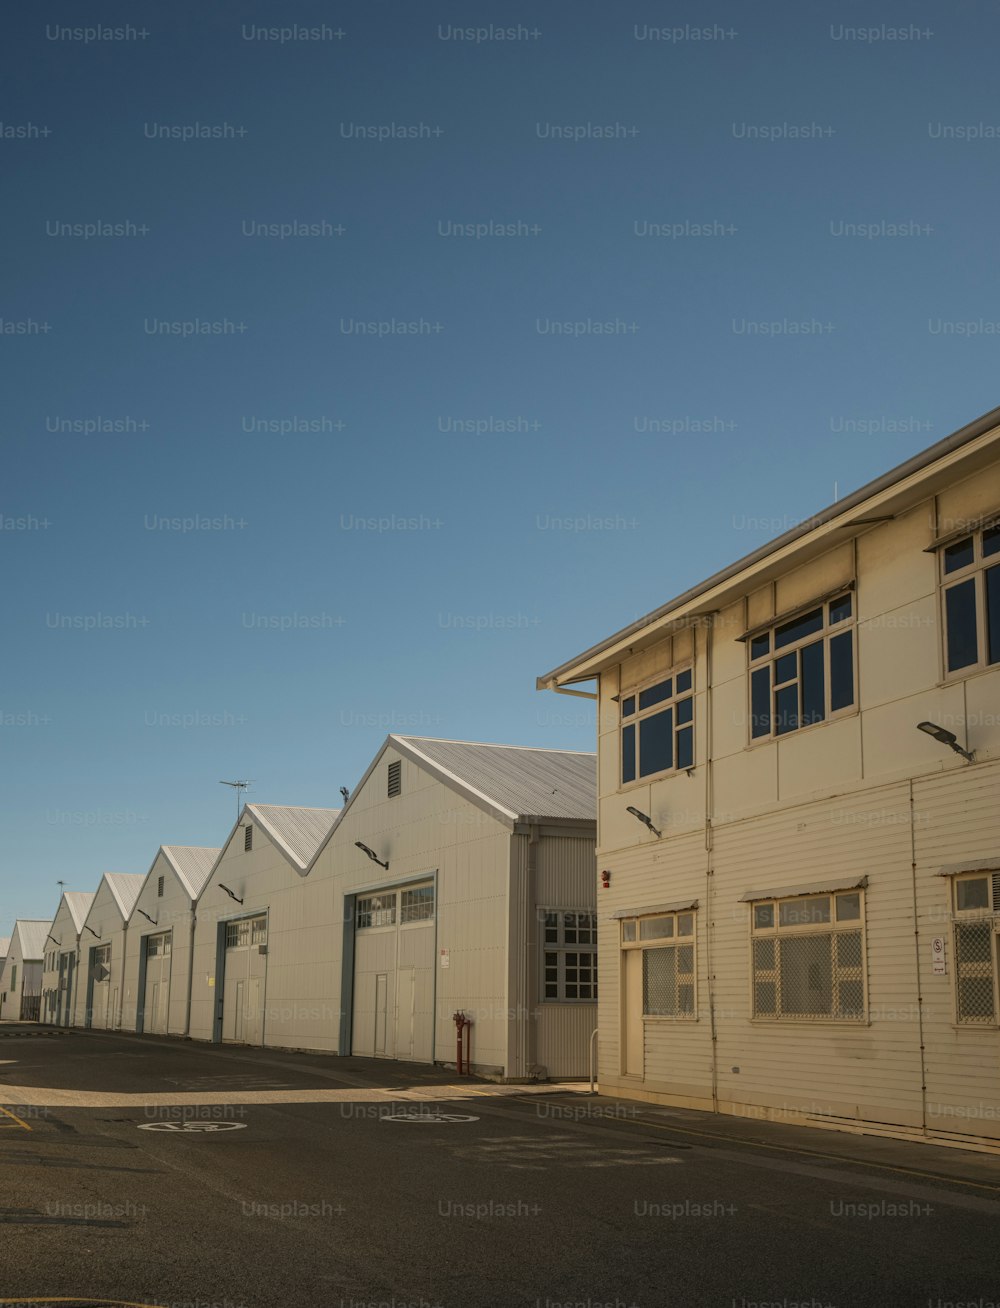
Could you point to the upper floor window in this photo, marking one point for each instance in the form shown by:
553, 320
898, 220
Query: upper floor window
970, 577
802, 670
417, 905
657, 727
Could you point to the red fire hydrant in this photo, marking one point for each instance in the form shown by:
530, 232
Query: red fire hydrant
463, 1027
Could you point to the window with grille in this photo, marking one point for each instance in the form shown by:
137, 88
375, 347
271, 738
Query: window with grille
395, 779
416, 905
970, 582
247, 931
657, 727
668, 975
976, 902
248, 837
158, 946
808, 958
376, 911
802, 671
569, 955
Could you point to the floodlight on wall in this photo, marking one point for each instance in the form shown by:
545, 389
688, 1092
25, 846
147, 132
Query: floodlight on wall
91, 930
945, 737
57, 943
371, 854
146, 916
644, 819
230, 893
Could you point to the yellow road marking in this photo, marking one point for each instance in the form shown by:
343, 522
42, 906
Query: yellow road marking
816, 1153
17, 1122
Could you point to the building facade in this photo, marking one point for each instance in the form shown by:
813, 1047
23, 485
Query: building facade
61, 962
799, 827
99, 994
21, 972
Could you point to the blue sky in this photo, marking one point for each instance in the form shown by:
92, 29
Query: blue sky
775, 246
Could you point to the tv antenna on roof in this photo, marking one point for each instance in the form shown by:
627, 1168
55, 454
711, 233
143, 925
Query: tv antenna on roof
238, 786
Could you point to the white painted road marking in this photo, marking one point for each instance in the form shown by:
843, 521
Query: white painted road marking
188, 1127
421, 1115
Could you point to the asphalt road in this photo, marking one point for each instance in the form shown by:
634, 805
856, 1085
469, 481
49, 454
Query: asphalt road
364, 1184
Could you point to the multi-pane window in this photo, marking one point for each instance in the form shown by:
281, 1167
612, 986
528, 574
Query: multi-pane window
569, 955
802, 671
657, 731
13, 977
376, 911
158, 946
667, 944
808, 959
970, 578
416, 905
976, 900
247, 931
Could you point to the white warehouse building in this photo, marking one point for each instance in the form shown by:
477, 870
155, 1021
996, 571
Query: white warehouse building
61, 963
98, 995
21, 971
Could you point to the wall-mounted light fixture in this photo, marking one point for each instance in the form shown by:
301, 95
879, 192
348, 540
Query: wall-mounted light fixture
230, 893
371, 854
944, 737
644, 819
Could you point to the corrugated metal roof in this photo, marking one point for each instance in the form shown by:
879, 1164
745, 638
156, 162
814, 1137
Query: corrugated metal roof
193, 865
4, 946
524, 782
78, 902
851, 881
299, 831
125, 887
32, 933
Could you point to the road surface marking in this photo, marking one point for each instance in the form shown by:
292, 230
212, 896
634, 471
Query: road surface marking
5, 1126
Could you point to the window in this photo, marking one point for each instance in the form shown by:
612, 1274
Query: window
417, 905
808, 958
802, 671
159, 887
657, 732
970, 579
376, 911
569, 955
667, 944
394, 779
158, 946
976, 900
247, 931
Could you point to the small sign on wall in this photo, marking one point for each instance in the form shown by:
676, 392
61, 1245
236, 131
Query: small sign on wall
939, 959
446, 958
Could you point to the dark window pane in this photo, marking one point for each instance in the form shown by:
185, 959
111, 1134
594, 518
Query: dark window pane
991, 541
656, 743
786, 709
959, 555
685, 711
765, 1002
655, 694
760, 702
683, 681
628, 753
785, 668
628, 706
840, 608
685, 747
841, 671
960, 620
991, 580
760, 645
813, 687
798, 627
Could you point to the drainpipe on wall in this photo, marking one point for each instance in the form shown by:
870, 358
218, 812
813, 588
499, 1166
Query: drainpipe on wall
709, 630
187, 1011
916, 949
528, 1041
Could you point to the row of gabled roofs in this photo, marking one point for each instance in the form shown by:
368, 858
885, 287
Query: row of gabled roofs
513, 783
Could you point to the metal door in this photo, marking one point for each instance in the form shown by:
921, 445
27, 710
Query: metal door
381, 1010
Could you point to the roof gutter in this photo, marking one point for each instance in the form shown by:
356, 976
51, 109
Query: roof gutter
972, 431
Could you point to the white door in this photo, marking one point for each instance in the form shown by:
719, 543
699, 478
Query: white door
158, 962
394, 975
381, 1011
244, 981
100, 999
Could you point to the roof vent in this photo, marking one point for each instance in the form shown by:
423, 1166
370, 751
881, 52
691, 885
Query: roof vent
159, 887
248, 837
395, 776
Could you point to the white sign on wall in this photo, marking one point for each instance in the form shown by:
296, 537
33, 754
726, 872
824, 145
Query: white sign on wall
446, 958
939, 960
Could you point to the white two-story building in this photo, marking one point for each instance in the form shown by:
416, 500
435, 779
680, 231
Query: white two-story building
799, 817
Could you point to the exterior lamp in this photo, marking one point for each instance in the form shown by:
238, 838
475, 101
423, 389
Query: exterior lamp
644, 819
230, 893
946, 738
371, 854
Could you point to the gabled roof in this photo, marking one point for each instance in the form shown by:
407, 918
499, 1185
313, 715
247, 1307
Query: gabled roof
125, 887
959, 454
32, 934
4, 946
298, 832
526, 783
78, 902
192, 863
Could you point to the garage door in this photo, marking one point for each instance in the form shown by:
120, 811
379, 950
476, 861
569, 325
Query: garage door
394, 974
157, 1002
101, 1011
243, 982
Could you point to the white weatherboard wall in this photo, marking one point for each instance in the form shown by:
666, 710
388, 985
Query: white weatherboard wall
158, 942
866, 795
295, 974
98, 996
61, 973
